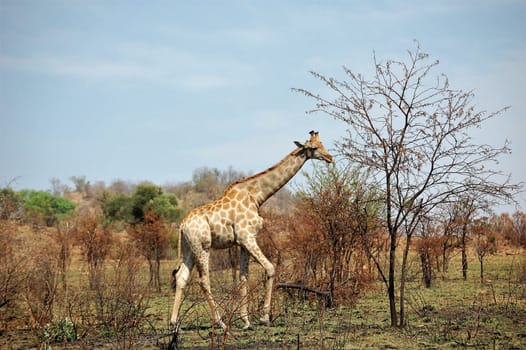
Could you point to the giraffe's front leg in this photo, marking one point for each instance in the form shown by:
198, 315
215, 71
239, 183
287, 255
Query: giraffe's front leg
265, 318
251, 246
203, 267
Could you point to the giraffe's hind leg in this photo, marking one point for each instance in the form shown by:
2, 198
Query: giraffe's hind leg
181, 279
243, 276
202, 264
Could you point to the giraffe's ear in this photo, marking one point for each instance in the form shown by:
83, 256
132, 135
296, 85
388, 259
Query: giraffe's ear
299, 144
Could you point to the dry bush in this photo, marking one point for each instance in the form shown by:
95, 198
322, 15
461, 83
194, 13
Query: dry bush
273, 236
14, 269
121, 301
115, 311
152, 239
9, 204
40, 290
521, 280
517, 231
334, 211
429, 249
64, 237
326, 263
30, 267
94, 240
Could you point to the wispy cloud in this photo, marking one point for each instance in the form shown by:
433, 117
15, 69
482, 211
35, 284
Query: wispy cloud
130, 64
186, 69
74, 67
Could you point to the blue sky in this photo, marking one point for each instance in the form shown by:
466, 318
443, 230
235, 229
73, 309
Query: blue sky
152, 90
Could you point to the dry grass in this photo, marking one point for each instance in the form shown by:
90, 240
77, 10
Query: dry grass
452, 314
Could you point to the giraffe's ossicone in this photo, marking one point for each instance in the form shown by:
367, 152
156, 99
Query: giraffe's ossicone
233, 219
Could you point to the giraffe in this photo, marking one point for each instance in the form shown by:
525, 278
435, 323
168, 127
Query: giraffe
233, 219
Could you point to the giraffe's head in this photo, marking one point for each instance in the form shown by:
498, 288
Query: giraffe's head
314, 149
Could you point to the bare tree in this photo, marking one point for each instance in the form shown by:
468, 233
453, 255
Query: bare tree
518, 236
447, 220
81, 185
58, 188
64, 240
95, 242
428, 248
412, 132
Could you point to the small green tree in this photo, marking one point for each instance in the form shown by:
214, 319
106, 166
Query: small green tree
115, 207
147, 212
143, 197
150, 209
43, 207
132, 209
165, 206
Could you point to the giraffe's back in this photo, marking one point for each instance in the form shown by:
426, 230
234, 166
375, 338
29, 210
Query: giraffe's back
218, 224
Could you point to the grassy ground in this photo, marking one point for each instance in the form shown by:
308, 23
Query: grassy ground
451, 314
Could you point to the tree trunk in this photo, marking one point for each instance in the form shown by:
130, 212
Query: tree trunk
445, 258
481, 259
154, 273
464, 254
335, 264
426, 268
157, 274
94, 276
64, 256
391, 281
402, 280
464, 264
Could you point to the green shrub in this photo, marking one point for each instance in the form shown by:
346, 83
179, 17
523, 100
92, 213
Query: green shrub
60, 330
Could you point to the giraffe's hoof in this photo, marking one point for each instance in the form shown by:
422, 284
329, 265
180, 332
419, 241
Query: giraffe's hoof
247, 326
265, 320
175, 326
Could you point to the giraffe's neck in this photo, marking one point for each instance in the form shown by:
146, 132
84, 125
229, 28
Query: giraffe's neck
265, 184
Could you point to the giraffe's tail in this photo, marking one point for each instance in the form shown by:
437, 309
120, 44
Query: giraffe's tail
179, 260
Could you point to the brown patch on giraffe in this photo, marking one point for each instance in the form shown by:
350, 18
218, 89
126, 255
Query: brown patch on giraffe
239, 196
226, 204
246, 202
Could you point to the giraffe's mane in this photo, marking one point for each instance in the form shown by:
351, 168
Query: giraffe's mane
252, 177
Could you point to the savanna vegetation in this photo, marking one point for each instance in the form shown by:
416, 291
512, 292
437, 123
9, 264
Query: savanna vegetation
87, 281
395, 246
